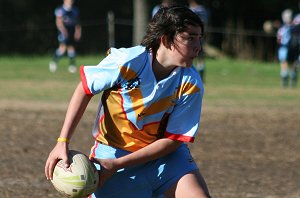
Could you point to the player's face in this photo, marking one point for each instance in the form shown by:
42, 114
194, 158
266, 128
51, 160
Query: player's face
187, 46
68, 3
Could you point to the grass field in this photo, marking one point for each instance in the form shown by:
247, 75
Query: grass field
229, 82
248, 144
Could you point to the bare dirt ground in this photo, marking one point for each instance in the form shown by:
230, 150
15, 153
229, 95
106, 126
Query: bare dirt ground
242, 153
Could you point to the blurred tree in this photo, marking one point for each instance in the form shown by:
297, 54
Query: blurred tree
139, 20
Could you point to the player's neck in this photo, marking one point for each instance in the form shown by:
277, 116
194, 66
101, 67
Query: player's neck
161, 69
67, 7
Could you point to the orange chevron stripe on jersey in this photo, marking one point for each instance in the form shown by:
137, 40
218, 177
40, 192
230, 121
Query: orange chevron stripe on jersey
187, 89
123, 132
127, 73
158, 106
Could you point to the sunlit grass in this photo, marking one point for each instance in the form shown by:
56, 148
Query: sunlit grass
228, 82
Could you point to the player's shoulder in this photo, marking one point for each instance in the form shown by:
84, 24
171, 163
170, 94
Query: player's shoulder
59, 11
134, 58
75, 9
191, 76
190, 82
191, 71
126, 55
130, 50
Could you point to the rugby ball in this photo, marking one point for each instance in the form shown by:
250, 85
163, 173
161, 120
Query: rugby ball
80, 179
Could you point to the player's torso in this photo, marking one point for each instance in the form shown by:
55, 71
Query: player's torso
70, 17
144, 100
284, 33
137, 110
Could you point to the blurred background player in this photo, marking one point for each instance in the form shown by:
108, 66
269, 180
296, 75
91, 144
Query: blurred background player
288, 49
296, 23
69, 32
201, 11
164, 3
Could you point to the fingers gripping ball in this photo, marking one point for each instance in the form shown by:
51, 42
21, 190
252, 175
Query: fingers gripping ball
79, 180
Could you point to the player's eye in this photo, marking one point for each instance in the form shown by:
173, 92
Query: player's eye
190, 38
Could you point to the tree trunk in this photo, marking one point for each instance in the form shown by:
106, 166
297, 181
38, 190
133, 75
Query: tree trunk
139, 20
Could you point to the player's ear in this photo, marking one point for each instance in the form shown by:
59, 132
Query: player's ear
164, 40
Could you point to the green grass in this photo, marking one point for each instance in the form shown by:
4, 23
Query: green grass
240, 83
229, 83
242, 73
28, 78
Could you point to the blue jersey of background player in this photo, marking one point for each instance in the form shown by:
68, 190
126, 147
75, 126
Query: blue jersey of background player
69, 32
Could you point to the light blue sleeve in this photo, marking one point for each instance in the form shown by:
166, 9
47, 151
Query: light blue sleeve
184, 121
104, 75
107, 73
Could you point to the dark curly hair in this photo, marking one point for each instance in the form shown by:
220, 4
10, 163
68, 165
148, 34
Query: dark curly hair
169, 21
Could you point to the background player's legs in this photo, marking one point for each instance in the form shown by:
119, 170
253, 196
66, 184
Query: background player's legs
72, 55
284, 74
59, 52
294, 73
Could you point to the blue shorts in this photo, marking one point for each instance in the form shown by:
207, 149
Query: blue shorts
67, 40
283, 54
147, 180
288, 54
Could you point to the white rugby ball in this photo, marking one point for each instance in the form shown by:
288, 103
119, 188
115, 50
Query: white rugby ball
79, 180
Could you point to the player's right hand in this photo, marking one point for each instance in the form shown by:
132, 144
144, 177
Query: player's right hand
60, 151
106, 171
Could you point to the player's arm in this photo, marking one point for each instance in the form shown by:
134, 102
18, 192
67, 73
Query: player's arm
77, 34
76, 108
153, 151
60, 25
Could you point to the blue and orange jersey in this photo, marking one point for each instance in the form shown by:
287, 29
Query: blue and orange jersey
136, 109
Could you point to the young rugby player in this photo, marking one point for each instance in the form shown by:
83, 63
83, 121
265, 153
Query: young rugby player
150, 109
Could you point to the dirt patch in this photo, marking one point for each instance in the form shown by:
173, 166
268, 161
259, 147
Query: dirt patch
241, 152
